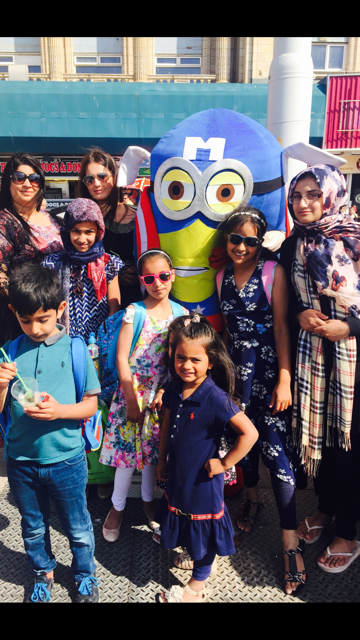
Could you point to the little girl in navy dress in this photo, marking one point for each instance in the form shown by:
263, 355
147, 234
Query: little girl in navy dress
199, 402
258, 342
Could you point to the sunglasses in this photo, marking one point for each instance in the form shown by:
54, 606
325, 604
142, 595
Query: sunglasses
150, 278
103, 177
18, 177
249, 241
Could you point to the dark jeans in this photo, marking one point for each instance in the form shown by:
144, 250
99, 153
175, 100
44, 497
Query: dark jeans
64, 482
284, 492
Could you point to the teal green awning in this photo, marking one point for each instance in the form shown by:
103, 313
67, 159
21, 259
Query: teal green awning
69, 117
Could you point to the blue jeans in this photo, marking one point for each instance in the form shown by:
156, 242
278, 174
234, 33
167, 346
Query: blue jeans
32, 485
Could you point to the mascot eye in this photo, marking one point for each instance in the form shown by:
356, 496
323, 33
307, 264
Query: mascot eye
177, 190
225, 191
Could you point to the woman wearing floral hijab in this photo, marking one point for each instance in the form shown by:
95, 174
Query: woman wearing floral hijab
88, 274
322, 260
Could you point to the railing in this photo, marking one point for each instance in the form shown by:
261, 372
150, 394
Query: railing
99, 77
185, 78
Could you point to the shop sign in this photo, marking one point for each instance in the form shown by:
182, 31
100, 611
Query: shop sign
54, 167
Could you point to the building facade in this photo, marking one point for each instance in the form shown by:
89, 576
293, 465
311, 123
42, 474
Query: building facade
145, 85
162, 59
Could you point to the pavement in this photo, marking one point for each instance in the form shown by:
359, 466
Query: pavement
135, 569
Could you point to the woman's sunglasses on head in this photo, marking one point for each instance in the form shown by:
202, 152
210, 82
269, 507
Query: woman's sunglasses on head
19, 177
150, 278
103, 177
249, 241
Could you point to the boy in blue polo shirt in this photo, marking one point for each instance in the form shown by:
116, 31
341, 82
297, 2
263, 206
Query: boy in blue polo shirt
45, 454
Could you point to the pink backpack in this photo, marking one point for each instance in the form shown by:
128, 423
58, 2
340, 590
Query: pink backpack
267, 278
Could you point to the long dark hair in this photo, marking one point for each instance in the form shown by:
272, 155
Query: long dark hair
223, 370
246, 213
108, 208
6, 201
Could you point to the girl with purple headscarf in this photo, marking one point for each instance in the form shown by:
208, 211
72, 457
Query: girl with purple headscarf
88, 274
322, 260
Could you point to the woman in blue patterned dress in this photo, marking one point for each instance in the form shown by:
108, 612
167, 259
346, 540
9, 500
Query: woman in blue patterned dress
88, 275
258, 342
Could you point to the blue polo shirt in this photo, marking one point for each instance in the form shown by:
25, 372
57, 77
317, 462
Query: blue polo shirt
50, 363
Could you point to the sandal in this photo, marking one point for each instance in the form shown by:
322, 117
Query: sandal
175, 594
293, 575
245, 517
157, 535
184, 561
321, 529
352, 556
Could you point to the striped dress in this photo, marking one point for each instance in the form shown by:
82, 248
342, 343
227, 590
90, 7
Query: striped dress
86, 312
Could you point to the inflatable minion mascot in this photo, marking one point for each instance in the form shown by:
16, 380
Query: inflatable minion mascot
201, 171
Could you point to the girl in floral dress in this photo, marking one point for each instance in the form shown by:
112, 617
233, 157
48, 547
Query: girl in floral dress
258, 342
132, 436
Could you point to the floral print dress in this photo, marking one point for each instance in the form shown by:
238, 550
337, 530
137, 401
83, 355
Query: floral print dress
251, 346
125, 444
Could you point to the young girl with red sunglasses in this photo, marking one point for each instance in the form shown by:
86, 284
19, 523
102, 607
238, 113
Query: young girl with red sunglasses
132, 434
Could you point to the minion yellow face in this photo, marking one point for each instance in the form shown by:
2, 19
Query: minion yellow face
191, 248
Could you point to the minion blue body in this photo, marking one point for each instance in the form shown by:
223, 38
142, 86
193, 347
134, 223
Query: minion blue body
201, 171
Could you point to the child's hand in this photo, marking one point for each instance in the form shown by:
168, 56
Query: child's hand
7, 373
281, 397
133, 413
48, 409
161, 470
214, 467
157, 402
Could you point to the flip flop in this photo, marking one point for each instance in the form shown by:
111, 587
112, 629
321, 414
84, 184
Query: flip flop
352, 556
321, 529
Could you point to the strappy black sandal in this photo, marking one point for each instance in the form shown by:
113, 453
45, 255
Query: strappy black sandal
293, 575
245, 517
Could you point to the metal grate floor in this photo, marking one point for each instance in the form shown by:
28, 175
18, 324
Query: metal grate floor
135, 569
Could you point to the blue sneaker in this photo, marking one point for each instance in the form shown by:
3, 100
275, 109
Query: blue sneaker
42, 588
87, 590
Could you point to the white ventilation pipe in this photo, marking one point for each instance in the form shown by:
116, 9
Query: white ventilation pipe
290, 95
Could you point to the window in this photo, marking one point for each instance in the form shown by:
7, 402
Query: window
34, 68
329, 54
178, 65
98, 64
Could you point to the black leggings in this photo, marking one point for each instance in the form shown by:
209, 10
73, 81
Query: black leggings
284, 492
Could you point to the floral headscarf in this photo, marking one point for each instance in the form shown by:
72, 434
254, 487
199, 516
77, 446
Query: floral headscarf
331, 244
327, 254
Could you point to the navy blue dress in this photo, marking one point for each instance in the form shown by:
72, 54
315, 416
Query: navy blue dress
195, 428
251, 346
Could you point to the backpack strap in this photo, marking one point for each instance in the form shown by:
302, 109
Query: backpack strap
139, 319
79, 363
177, 309
268, 273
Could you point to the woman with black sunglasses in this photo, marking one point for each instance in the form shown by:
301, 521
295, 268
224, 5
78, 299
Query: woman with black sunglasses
27, 232
253, 300
97, 181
